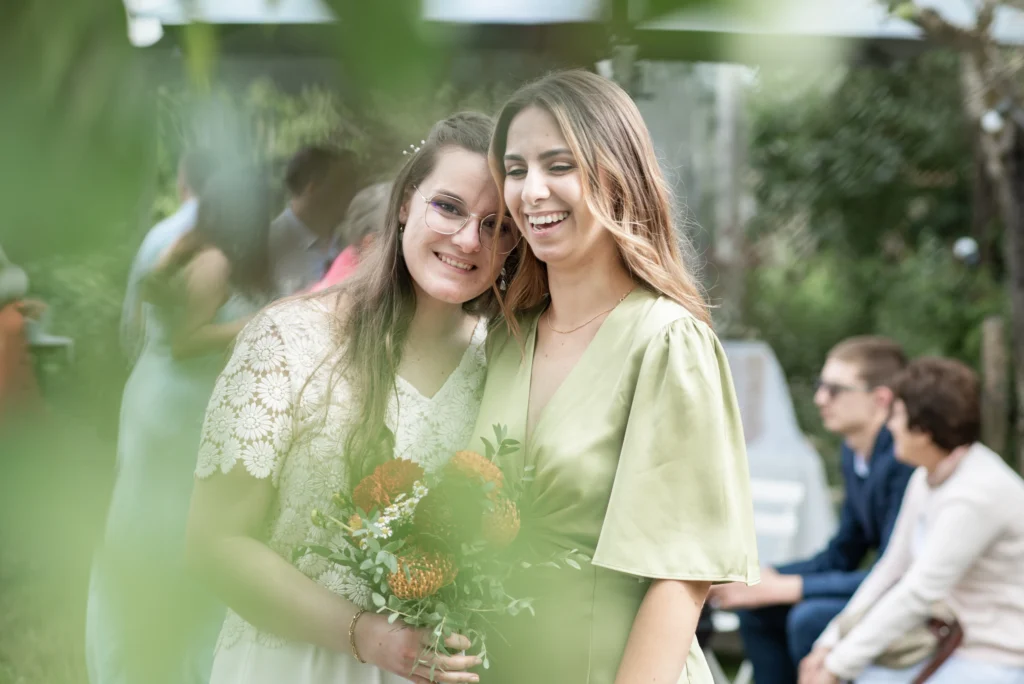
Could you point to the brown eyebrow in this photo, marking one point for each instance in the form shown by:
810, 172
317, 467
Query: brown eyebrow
544, 155
448, 193
555, 153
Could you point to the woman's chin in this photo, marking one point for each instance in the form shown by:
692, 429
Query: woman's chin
451, 293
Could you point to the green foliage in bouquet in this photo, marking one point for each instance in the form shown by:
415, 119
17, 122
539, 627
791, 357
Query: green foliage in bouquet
436, 549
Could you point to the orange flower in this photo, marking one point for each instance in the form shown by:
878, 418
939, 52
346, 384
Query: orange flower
501, 526
385, 483
422, 574
473, 466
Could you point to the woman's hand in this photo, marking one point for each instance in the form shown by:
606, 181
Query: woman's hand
404, 651
813, 665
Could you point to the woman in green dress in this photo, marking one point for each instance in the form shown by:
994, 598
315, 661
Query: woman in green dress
609, 375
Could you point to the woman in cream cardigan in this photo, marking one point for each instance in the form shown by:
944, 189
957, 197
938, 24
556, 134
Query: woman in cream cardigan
959, 540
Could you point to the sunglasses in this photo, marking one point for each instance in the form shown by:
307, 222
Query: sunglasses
834, 389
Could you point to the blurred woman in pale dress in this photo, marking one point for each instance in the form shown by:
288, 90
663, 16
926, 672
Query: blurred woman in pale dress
147, 620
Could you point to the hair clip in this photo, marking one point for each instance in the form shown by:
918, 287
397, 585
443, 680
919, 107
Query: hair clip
415, 148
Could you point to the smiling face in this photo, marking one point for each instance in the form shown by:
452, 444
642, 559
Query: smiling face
450, 268
544, 193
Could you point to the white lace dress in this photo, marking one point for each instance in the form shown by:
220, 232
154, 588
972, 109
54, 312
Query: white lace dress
275, 413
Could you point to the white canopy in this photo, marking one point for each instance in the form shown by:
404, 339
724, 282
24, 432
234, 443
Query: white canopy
867, 19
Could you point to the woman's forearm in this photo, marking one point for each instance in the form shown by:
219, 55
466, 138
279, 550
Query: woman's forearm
274, 595
662, 632
207, 339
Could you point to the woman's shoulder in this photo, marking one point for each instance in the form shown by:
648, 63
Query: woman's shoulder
657, 318
984, 477
304, 324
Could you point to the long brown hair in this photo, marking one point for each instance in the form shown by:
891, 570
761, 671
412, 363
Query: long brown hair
236, 207
377, 305
623, 186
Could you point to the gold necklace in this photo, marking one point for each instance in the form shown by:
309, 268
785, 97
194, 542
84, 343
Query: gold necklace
588, 321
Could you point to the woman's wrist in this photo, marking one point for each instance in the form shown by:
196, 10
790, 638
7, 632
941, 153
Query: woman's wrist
352, 635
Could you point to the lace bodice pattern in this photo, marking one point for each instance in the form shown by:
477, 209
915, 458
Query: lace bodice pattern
277, 411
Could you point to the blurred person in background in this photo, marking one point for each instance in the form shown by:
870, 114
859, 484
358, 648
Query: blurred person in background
958, 543
18, 389
194, 169
781, 617
304, 239
363, 220
147, 621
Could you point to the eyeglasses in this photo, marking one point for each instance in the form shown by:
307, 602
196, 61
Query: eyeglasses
448, 215
834, 389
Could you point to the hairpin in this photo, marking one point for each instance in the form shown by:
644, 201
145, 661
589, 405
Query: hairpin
415, 148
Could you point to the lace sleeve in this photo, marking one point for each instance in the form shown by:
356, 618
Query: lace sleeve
249, 417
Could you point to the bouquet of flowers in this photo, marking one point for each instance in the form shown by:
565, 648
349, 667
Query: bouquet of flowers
434, 547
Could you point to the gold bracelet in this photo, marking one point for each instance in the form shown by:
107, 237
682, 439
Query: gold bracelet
352, 635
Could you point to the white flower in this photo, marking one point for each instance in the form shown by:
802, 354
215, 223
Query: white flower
307, 356
241, 388
209, 458
311, 564
231, 451
274, 390
266, 354
317, 535
333, 580
259, 459
219, 423
326, 478
356, 590
240, 354
291, 527
282, 433
253, 423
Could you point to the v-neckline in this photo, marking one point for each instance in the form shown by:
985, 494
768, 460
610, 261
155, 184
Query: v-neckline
474, 343
531, 351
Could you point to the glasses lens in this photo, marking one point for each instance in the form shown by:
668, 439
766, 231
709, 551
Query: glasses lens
445, 214
506, 234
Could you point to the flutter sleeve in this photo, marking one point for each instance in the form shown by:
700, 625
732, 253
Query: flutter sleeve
680, 507
250, 415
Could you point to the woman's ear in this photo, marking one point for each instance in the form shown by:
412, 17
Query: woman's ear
403, 211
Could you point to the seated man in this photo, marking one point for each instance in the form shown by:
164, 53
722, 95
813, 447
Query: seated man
781, 617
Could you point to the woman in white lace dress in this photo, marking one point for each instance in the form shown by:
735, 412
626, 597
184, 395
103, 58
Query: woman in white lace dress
321, 388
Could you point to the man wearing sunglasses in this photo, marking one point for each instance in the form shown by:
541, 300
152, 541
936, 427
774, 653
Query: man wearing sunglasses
781, 617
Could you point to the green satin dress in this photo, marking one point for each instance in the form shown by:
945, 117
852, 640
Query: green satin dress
639, 463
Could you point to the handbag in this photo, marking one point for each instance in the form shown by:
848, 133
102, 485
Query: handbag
936, 638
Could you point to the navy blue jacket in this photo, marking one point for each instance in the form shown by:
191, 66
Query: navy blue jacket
870, 507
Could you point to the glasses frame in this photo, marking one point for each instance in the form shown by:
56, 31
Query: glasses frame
480, 220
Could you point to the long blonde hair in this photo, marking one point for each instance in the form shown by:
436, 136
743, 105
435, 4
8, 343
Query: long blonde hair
623, 186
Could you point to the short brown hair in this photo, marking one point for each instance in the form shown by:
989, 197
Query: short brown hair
879, 359
943, 398
312, 163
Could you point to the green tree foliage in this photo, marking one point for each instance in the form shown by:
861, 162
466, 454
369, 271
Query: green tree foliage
867, 155
863, 183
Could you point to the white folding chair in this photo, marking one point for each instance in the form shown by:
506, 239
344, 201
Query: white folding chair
776, 523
